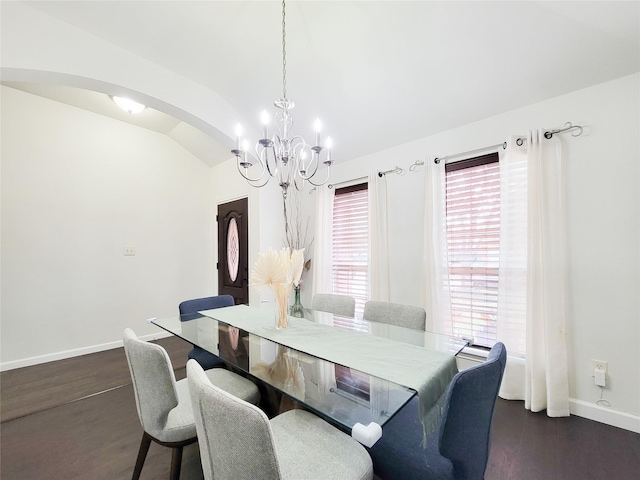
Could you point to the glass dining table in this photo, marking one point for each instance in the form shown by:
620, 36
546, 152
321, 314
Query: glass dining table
352, 378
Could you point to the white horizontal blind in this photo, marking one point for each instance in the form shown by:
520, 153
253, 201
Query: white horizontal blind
350, 277
473, 245
353, 383
350, 249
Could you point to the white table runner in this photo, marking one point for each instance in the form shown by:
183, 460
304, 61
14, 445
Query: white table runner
426, 371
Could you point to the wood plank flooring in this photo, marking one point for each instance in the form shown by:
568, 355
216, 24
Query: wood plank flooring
31, 389
76, 419
532, 446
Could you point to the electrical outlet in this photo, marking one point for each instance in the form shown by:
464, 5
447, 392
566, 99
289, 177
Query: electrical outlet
129, 251
600, 366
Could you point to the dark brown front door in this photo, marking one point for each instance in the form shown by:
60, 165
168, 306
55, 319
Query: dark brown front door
233, 250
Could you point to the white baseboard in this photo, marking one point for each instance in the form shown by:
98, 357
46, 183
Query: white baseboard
52, 357
615, 418
579, 408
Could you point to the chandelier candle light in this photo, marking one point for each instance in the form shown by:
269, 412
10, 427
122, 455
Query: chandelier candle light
279, 270
290, 160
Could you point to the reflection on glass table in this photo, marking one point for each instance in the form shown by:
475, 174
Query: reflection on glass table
435, 341
342, 394
313, 382
302, 377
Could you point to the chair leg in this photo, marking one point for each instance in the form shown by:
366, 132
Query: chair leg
176, 462
142, 455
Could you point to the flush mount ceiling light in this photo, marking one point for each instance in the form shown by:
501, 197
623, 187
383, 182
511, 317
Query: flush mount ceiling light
128, 105
291, 161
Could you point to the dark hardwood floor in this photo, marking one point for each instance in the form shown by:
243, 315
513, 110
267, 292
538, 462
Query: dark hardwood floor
76, 419
532, 446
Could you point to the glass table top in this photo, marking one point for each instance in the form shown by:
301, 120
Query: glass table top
336, 392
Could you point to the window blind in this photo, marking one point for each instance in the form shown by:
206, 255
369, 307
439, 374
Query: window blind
354, 383
473, 245
350, 260
350, 247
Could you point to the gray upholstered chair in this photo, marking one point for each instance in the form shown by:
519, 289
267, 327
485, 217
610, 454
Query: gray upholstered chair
163, 404
459, 450
337, 304
189, 308
395, 314
238, 442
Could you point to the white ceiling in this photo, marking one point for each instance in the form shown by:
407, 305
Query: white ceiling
378, 73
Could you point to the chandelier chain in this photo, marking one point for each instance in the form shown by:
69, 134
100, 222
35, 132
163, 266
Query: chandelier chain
292, 161
284, 53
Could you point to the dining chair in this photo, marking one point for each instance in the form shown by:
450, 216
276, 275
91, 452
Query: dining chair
163, 404
459, 450
337, 304
207, 359
238, 442
395, 314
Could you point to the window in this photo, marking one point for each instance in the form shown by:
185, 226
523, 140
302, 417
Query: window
350, 245
473, 246
350, 274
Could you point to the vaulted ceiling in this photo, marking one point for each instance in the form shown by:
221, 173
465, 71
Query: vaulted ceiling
378, 73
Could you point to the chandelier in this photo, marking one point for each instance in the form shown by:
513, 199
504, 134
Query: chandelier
291, 161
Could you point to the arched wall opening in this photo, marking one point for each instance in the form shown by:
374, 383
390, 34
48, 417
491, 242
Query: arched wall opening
110, 89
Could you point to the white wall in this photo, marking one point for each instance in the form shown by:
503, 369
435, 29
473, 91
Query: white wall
603, 184
76, 189
58, 249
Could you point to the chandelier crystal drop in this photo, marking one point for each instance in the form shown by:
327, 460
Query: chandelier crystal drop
291, 161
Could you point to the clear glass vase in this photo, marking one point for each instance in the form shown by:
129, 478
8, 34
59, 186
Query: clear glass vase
297, 310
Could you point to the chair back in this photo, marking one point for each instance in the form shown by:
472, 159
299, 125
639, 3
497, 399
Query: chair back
235, 437
337, 304
406, 316
154, 382
465, 430
206, 303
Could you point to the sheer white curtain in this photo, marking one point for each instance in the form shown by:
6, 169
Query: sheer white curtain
547, 385
512, 276
378, 261
322, 262
322, 271
532, 276
531, 308
434, 264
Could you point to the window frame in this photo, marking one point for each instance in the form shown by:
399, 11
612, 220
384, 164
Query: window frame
473, 289
352, 384
361, 295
